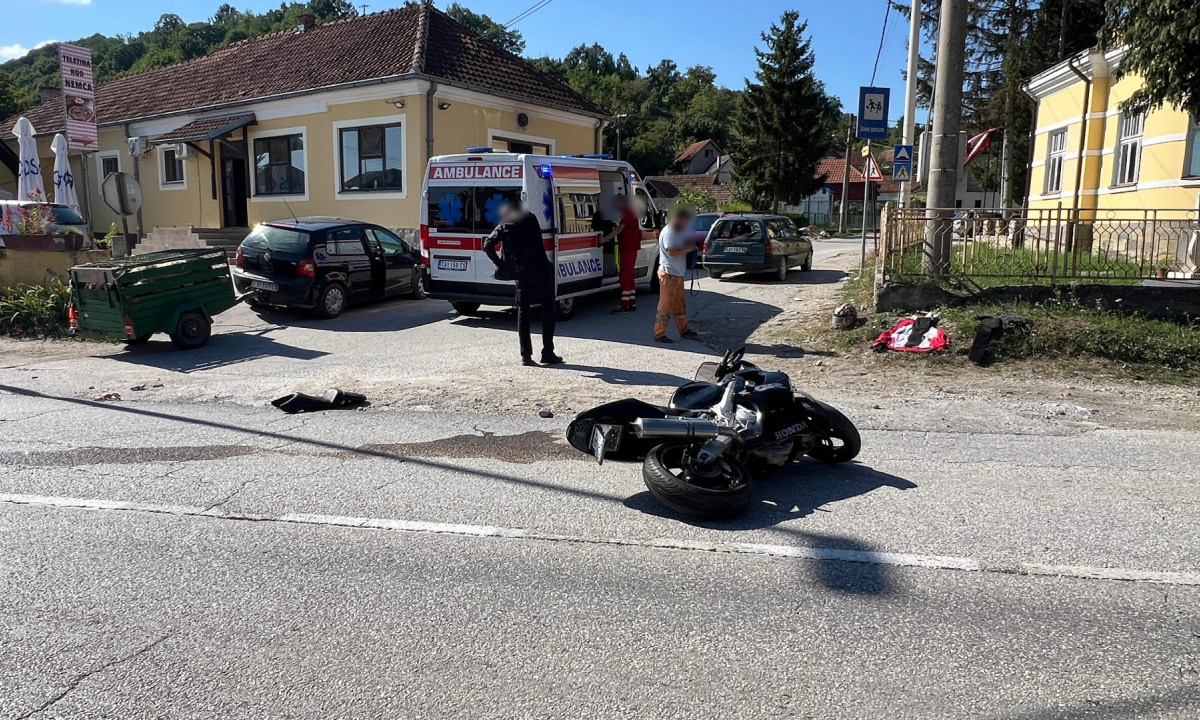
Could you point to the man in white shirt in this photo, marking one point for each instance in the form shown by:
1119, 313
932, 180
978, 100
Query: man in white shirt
673, 247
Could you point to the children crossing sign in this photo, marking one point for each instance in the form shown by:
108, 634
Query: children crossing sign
873, 111
902, 157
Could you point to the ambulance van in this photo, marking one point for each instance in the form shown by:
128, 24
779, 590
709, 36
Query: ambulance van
572, 197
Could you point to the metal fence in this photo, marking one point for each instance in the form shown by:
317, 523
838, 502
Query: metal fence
1041, 246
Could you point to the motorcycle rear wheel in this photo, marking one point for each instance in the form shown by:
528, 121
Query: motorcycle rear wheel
842, 442
672, 484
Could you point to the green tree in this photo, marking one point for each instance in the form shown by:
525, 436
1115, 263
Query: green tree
9, 104
1163, 39
510, 40
786, 120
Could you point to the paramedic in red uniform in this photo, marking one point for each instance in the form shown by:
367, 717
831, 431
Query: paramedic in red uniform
629, 243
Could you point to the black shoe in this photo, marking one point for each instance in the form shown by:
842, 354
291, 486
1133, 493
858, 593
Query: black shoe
528, 362
689, 334
551, 359
663, 339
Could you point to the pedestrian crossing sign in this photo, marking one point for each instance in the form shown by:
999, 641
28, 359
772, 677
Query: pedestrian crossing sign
901, 173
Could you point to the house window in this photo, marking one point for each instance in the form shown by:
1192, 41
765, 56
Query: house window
1192, 156
109, 165
172, 167
279, 165
1055, 151
1129, 147
372, 158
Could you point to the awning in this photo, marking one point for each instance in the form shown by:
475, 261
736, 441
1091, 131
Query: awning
205, 129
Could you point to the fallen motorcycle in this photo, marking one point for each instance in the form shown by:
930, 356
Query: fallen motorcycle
700, 451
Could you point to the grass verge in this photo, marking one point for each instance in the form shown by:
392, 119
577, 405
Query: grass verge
1063, 331
35, 311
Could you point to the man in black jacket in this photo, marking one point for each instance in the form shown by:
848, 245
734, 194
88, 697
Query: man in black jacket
519, 236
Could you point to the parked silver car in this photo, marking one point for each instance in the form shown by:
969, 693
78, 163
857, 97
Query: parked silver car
64, 221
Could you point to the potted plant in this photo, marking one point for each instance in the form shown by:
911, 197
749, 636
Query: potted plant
1163, 268
32, 225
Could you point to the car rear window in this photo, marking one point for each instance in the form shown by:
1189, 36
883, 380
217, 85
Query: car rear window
66, 216
277, 238
729, 229
703, 222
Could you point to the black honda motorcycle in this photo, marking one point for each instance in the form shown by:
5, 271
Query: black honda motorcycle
700, 451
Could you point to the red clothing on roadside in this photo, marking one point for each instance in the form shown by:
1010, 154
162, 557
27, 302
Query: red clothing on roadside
629, 242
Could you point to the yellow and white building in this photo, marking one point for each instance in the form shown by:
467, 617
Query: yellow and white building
332, 119
1090, 149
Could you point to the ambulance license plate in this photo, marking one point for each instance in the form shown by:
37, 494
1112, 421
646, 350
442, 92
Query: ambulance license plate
452, 264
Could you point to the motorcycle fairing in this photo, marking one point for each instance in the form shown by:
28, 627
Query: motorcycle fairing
696, 396
628, 447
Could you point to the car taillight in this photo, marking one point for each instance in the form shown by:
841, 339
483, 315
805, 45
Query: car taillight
239, 258
424, 244
306, 268
128, 325
72, 318
767, 248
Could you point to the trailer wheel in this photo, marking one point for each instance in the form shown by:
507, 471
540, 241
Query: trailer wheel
192, 331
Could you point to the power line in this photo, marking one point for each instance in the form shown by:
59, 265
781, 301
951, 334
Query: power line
887, 10
529, 11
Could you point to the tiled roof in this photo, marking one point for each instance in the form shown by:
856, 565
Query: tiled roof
207, 128
415, 39
835, 171
721, 192
690, 151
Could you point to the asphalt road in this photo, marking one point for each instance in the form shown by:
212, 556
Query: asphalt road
179, 559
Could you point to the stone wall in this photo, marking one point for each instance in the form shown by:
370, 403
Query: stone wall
35, 267
1163, 299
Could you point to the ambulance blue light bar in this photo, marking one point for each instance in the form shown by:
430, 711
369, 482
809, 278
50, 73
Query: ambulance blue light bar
545, 171
474, 150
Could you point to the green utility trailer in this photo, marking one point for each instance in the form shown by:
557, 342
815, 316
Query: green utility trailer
175, 291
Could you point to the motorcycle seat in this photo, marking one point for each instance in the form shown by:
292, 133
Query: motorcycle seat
696, 396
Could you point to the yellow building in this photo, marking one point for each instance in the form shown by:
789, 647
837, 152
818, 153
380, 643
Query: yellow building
1118, 159
333, 119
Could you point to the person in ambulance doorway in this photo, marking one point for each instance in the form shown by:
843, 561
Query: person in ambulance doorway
629, 241
673, 248
519, 238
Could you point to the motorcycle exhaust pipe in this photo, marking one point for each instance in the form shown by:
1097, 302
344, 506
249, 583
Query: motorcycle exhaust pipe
681, 428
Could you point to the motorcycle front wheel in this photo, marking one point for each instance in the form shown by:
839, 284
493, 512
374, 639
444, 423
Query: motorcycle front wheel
841, 442
714, 492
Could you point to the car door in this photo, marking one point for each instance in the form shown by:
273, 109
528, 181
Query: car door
399, 260
346, 246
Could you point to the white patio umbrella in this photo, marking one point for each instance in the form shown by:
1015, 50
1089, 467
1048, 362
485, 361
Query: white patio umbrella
29, 171
64, 179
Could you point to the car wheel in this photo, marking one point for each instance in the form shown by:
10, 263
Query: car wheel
781, 272
465, 308
565, 309
331, 302
419, 291
192, 330
807, 264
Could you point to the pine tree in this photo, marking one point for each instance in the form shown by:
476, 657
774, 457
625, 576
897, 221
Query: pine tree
1163, 37
785, 119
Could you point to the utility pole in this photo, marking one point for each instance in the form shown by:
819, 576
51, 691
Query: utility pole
844, 210
910, 90
947, 112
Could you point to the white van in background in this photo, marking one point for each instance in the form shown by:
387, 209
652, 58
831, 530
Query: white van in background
462, 195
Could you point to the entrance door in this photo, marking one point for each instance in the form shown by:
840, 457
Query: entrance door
233, 191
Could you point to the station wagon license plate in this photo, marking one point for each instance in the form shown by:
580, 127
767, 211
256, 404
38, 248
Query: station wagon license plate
266, 285
736, 249
452, 265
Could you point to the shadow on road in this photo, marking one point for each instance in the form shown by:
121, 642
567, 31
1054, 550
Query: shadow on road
795, 277
613, 376
1149, 704
389, 314
222, 350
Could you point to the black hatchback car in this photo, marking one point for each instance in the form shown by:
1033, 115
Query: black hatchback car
325, 264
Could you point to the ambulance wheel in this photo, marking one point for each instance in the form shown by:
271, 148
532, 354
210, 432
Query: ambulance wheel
465, 308
716, 274
565, 309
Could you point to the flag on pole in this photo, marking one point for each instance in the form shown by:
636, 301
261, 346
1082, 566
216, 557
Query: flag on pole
979, 143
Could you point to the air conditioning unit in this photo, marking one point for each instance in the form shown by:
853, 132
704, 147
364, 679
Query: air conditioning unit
181, 151
137, 145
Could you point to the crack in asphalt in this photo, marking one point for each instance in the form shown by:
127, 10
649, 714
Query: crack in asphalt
79, 679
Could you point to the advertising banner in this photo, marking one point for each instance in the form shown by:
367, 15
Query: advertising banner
79, 97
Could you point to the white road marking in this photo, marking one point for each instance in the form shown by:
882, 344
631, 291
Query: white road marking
936, 562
